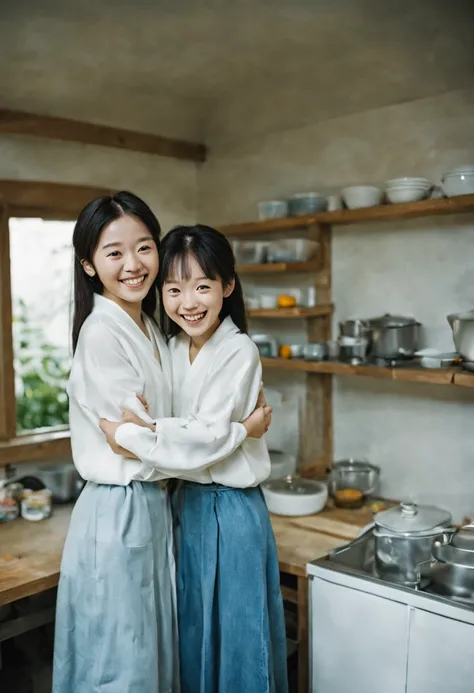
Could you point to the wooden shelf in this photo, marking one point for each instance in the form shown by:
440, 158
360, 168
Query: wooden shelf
435, 376
388, 212
296, 312
278, 267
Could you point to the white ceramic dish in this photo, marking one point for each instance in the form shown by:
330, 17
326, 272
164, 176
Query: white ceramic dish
408, 181
358, 196
459, 181
432, 358
397, 195
295, 497
268, 301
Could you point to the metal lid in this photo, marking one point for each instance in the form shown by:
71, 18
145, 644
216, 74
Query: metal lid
295, 486
410, 518
464, 538
388, 320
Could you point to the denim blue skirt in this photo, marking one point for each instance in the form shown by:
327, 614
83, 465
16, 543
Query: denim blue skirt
230, 610
116, 629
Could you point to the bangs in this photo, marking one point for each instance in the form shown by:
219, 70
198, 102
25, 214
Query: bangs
179, 269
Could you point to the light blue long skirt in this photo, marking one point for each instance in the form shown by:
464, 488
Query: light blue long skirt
116, 608
230, 610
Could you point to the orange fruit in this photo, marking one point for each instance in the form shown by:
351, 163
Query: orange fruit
285, 351
285, 301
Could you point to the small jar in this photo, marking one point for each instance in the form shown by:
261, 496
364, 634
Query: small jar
8, 505
36, 505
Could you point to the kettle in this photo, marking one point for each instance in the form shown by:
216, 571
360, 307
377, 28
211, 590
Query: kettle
462, 325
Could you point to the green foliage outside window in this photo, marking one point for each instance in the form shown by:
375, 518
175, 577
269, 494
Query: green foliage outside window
41, 373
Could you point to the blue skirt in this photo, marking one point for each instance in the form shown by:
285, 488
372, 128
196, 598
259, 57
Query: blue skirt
230, 610
116, 629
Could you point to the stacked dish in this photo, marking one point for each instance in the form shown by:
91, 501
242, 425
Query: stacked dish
459, 181
407, 189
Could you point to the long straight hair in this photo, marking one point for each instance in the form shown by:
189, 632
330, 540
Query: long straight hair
214, 255
93, 219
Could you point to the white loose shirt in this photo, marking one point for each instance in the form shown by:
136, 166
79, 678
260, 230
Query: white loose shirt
114, 361
207, 443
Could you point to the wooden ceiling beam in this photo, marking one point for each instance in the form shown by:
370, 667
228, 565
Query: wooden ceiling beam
53, 128
56, 200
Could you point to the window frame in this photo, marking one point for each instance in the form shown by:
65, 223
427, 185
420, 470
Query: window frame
51, 201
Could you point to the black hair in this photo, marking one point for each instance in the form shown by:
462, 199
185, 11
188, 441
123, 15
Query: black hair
93, 219
215, 256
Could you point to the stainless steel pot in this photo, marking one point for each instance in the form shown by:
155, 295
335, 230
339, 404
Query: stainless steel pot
453, 572
394, 336
462, 325
62, 480
354, 328
404, 538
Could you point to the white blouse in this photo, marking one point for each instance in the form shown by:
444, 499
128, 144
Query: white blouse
113, 362
207, 443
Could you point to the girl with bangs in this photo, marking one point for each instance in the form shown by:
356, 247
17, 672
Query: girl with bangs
230, 611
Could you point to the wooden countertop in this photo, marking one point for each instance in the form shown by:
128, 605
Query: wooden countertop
30, 552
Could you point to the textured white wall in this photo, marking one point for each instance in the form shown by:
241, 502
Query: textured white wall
421, 435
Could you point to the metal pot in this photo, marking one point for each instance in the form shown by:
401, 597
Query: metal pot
404, 539
453, 572
462, 325
355, 328
62, 480
394, 336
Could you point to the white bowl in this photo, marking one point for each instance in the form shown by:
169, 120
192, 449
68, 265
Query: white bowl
268, 301
358, 196
294, 497
406, 193
458, 182
415, 182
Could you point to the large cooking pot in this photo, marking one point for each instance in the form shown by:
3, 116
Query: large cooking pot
394, 336
462, 325
453, 571
404, 538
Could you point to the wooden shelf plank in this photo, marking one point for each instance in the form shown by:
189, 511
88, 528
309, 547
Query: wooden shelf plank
27, 448
278, 267
296, 312
435, 376
388, 212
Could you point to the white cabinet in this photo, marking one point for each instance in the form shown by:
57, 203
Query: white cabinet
441, 654
358, 641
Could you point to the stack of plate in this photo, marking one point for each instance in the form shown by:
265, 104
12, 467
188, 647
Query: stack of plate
407, 189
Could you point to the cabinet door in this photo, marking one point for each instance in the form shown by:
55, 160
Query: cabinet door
440, 655
359, 641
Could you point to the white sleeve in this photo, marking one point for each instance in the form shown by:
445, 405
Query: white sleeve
180, 446
102, 384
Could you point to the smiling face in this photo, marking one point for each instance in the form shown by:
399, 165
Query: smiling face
126, 262
194, 301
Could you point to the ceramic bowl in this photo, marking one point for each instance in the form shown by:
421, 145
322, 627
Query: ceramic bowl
358, 196
272, 209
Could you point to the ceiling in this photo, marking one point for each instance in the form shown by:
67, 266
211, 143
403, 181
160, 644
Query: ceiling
227, 70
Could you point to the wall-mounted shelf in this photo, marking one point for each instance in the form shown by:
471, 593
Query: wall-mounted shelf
435, 376
388, 212
279, 267
297, 312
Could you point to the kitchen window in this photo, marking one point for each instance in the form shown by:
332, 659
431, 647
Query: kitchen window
36, 261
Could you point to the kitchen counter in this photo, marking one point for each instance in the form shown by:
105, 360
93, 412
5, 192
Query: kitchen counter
30, 552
